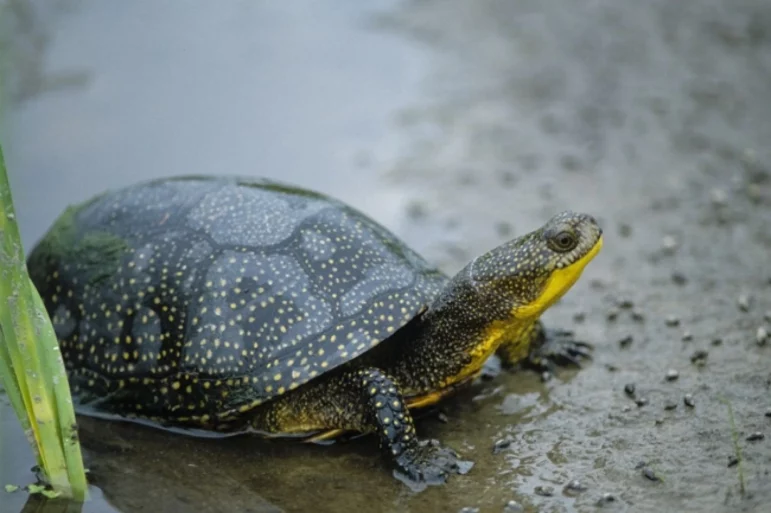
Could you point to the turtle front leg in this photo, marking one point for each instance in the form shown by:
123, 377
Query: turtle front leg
367, 401
542, 349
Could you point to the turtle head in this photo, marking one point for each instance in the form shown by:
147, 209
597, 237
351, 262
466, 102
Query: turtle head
496, 298
527, 275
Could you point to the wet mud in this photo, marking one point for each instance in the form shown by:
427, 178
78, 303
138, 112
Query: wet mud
460, 125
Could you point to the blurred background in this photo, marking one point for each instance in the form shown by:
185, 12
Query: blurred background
457, 125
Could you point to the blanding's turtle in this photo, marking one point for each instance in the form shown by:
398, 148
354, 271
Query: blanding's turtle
233, 304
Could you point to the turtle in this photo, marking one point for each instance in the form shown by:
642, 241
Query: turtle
235, 304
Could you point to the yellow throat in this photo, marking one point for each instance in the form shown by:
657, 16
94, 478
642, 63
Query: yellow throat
557, 285
525, 316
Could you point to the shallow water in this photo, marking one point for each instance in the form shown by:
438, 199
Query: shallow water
457, 125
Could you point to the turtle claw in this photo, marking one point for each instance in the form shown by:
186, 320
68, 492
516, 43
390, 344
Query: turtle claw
429, 464
560, 349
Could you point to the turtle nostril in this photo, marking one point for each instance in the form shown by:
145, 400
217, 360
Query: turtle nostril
593, 220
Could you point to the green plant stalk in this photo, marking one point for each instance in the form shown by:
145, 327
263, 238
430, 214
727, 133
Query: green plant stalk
13, 391
32, 368
68, 428
737, 448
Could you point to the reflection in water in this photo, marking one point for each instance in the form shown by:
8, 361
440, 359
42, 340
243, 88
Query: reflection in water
24, 45
241, 88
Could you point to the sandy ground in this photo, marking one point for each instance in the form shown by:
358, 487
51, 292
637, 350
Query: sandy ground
654, 116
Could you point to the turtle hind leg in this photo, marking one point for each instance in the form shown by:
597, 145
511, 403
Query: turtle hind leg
367, 401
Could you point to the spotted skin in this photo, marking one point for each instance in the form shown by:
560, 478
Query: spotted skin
362, 400
230, 304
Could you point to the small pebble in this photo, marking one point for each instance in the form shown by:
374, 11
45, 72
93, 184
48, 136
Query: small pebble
650, 474
606, 498
679, 278
637, 315
754, 437
669, 243
687, 336
501, 445
699, 357
641, 401
579, 316
761, 336
768, 413
546, 376
629, 388
612, 314
744, 302
626, 409
544, 491
659, 421
670, 404
442, 417
625, 304
469, 509
575, 487
513, 507
672, 321
672, 375
611, 367
717, 341
688, 400
732, 461
626, 341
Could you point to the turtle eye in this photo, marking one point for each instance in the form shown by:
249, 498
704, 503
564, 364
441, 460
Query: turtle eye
563, 241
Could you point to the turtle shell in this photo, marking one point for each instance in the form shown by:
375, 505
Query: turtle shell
196, 298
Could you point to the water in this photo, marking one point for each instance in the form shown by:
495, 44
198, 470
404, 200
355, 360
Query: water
457, 125
228, 88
